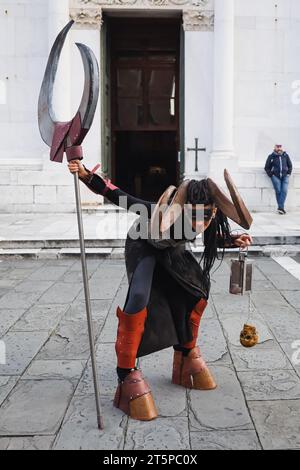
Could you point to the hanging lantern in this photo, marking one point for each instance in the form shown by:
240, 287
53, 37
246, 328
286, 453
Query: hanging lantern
241, 275
240, 283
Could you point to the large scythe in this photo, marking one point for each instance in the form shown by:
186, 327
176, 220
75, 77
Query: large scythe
67, 137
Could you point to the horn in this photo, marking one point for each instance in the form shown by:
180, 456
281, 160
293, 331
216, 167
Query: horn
90, 95
46, 116
175, 209
158, 212
236, 209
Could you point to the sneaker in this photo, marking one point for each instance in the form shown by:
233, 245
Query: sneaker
281, 211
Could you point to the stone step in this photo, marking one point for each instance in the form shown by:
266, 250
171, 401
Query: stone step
60, 243
118, 253
54, 253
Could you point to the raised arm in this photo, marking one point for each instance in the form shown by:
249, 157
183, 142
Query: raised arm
236, 241
105, 188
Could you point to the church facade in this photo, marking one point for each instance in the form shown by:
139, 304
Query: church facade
187, 88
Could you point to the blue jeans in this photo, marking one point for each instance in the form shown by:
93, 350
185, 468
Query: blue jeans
281, 187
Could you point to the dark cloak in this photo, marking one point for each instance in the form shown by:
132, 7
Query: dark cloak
178, 285
178, 281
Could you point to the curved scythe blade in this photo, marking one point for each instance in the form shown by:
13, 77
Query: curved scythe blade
46, 116
90, 95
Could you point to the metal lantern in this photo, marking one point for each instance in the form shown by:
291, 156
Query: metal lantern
241, 275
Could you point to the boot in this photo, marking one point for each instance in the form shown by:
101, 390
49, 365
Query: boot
133, 396
191, 371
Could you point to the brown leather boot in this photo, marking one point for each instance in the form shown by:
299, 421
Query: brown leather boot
191, 371
133, 396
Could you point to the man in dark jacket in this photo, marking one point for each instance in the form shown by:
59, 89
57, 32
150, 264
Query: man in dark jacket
279, 168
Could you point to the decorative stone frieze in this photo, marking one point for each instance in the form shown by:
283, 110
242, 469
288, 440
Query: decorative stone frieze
198, 15
195, 20
143, 3
87, 17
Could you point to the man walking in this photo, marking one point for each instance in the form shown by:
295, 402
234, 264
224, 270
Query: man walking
279, 168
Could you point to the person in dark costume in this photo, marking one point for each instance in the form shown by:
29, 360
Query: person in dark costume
168, 289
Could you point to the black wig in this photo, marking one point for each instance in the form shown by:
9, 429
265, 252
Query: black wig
218, 232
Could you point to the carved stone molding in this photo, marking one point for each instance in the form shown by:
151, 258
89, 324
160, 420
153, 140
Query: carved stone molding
198, 15
88, 18
206, 4
197, 20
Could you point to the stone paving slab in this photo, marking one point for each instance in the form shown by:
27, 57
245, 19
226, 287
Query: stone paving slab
37, 286
8, 318
48, 273
292, 297
233, 325
269, 302
106, 357
270, 385
6, 385
19, 273
269, 266
104, 283
79, 430
171, 400
284, 282
18, 300
212, 341
77, 310
7, 283
285, 326
92, 265
60, 369
109, 331
229, 304
35, 407
27, 443
61, 293
225, 440
223, 408
21, 348
292, 350
277, 423
69, 341
266, 356
41, 318
167, 433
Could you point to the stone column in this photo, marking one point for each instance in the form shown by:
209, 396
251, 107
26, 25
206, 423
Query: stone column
58, 17
198, 88
223, 113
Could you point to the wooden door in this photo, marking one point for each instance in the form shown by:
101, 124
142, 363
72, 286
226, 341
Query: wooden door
145, 61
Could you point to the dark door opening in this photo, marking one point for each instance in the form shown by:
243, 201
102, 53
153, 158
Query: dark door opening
145, 104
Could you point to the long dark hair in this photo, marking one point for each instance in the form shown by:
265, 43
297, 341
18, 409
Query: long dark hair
218, 232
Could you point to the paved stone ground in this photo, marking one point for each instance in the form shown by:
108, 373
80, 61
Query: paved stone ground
46, 393
108, 223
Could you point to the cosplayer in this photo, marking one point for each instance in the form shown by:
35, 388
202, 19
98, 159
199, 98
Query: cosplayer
168, 288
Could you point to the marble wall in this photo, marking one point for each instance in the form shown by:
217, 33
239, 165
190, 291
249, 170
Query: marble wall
266, 102
29, 182
267, 105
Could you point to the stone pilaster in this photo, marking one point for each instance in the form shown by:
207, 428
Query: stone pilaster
223, 112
